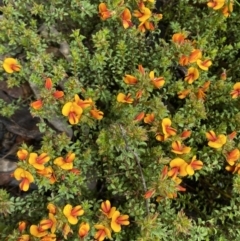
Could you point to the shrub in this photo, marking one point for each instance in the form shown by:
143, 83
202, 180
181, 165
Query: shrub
138, 106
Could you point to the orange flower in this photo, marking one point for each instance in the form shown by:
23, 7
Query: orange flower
83, 103
201, 91
184, 60
22, 226
178, 38
22, 154
83, 229
192, 75
157, 82
72, 213
51, 208
215, 141
149, 118
72, 111
227, 9
143, 14
58, 94
48, 173
235, 93
102, 232
140, 116
122, 98
139, 94
216, 4
126, 18
24, 177
141, 69
37, 231
103, 11
149, 193
48, 84
195, 55
232, 135
11, 65
185, 134
167, 129
50, 223
37, 105
204, 65
49, 237
96, 114
193, 165
232, 156
129, 79
178, 167
183, 94
146, 26
160, 137
106, 209
118, 220
38, 161
24, 237
179, 148
65, 163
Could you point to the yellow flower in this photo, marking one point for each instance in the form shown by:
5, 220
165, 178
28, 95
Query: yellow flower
24, 177
106, 209
102, 232
118, 220
83, 229
215, 141
72, 213
192, 75
178, 166
38, 161
51, 208
216, 4
11, 65
37, 231
194, 165
178, 38
167, 129
179, 148
66, 230
50, 223
83, 103
122, 98
158, 82
65, 163
204, 65
149, 118
72, 111
227, 9
48, 173
143, 14
235, 93
195, 55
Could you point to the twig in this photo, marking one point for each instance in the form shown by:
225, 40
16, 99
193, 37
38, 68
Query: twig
139, 165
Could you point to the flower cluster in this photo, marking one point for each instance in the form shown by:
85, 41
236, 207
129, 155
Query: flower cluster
110, 221
143, 80
59, 221
39, 161
74, 110
225, 6
144, 15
